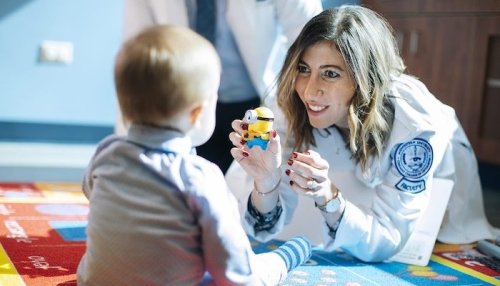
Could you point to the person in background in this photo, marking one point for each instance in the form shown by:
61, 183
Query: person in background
160, 214
365, 144
251, 37
335, 3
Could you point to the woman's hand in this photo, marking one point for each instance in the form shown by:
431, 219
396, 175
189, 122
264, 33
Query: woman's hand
308, 174
262, 165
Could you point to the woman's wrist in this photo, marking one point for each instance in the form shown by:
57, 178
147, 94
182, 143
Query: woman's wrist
269, 184
333, 218
331, 195
274, 189
265, 195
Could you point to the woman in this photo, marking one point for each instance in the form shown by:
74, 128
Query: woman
364, 141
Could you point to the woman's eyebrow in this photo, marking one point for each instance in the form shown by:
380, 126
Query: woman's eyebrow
331, 66
324, 66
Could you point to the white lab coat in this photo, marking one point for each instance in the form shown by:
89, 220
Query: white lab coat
379, 217
263, 30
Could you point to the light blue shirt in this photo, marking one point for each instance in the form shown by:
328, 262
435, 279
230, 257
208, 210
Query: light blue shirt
235, 85
161, 215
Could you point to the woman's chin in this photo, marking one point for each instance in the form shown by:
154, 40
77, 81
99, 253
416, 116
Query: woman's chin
319, 125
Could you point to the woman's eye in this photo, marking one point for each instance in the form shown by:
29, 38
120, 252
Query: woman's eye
302, 68
330, 74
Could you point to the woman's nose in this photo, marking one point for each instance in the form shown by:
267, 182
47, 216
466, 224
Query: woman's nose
312, 88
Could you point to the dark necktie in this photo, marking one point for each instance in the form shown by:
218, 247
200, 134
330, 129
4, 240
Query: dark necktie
205, 19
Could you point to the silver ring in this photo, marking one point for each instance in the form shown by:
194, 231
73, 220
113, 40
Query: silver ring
312, 184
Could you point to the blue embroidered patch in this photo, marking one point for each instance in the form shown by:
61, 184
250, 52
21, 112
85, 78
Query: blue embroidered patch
413, 160
409, 186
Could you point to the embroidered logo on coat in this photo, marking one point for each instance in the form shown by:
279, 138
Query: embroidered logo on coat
411, 186
413, 160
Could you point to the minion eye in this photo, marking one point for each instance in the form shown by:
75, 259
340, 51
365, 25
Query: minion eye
250, 116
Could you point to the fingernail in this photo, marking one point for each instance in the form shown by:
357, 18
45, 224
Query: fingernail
291, 183
308, 153
245, 154
242, 142
287, 172
274, 133
290, 162
294, 155
244, 126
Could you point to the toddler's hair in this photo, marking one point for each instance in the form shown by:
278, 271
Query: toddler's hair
162, 71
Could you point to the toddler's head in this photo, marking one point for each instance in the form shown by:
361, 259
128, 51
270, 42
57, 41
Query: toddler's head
168, 76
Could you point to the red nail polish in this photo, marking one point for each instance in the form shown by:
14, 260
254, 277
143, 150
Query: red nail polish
274, 133
242, 142
290, 162
287, 172
294, 155
245, 154
291, 183
244, 126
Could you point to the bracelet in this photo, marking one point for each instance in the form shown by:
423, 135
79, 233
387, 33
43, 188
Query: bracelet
262, 221
261, 194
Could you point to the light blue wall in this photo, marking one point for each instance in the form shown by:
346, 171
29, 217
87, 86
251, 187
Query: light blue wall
81, 93
78, 94
334, 3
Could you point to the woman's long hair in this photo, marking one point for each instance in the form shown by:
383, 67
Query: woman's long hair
370, 52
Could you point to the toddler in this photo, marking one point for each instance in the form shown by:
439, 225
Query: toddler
160, 214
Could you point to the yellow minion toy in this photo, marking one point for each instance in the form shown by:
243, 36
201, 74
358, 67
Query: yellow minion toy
260, 124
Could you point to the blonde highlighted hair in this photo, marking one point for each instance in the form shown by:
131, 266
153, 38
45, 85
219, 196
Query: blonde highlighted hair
162, 71
369, 50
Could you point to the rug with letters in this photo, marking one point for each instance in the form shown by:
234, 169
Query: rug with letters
42, 239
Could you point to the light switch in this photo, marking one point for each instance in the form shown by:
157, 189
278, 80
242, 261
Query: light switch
56, 52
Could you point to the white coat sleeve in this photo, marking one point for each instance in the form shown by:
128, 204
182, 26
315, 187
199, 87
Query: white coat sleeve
379, 231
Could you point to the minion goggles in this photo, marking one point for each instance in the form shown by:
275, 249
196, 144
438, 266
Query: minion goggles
251, 116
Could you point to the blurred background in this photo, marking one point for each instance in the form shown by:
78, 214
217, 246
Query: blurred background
57, 97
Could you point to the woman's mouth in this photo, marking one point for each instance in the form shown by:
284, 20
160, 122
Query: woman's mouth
315, 108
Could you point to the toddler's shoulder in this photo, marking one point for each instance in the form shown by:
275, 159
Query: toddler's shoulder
202, 174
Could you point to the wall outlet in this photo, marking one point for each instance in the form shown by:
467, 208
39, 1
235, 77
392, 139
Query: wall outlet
56, 52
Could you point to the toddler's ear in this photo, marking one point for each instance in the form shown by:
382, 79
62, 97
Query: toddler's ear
195, 113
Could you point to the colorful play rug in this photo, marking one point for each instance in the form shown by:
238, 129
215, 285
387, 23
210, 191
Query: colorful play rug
42, 237
42, 233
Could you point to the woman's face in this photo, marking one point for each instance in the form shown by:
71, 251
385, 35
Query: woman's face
324, 85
